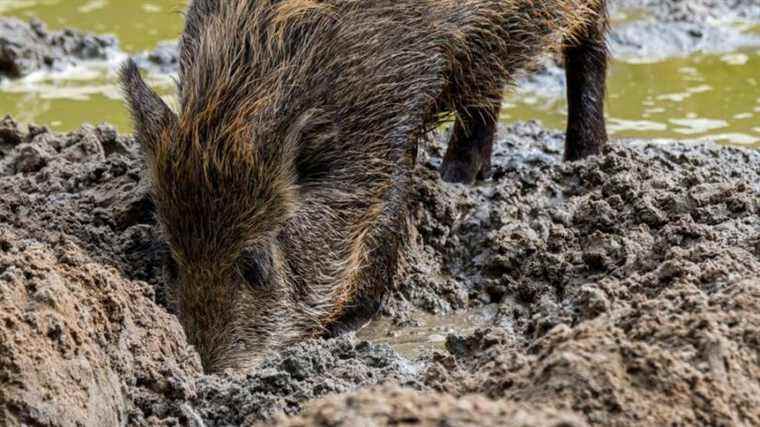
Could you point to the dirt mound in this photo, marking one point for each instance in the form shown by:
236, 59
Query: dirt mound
79, 343
626, 285
394, 406
284, 382
683, 358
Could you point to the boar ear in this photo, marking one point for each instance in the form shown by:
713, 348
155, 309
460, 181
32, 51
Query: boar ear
150, 115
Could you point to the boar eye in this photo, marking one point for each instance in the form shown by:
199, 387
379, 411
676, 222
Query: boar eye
254, 266
171, 270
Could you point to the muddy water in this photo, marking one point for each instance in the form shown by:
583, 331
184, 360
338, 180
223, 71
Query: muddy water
428, 332
716, 96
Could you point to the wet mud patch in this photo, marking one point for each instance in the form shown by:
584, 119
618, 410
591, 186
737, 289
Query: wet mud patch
620, 290
542, 233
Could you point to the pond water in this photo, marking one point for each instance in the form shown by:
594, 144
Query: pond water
716, 96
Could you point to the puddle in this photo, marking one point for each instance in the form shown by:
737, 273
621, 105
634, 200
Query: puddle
63, 102
430, 331
702, 96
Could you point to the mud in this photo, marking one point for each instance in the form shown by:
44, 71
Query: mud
693, 10
668, 28
625, 289
394, 406
26, 47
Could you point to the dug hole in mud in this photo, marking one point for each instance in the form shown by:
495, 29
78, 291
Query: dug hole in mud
625, 289
620, 290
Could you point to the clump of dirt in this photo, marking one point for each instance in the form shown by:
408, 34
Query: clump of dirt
79, 342
163, 59
541, 228
27, 47
628, 284
283, 382
279, 386
394, 406
684, 357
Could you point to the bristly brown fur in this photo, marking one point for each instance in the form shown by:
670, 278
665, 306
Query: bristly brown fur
281, 186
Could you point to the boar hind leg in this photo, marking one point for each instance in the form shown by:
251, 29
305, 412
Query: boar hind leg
586, 68
468, 156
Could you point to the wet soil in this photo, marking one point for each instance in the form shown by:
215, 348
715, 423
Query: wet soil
26, 47
394, 406
622, 290
675, 28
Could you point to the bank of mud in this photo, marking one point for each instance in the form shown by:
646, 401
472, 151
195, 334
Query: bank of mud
625, 288
26, 47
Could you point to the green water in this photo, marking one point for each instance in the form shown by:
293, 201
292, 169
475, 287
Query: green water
715, 96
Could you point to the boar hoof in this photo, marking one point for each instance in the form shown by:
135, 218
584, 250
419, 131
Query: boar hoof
459, 171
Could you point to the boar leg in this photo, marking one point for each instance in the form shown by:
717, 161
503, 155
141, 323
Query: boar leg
468, 156
586, 69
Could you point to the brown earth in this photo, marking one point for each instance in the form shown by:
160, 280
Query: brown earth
627, 291
394, 406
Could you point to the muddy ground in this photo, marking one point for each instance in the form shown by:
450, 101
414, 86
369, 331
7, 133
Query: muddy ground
26, 47
626, 289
